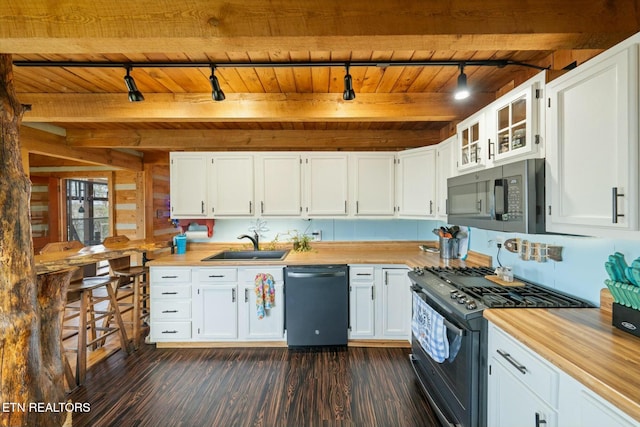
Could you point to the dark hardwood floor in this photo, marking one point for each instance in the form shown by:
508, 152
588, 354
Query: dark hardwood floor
254, 387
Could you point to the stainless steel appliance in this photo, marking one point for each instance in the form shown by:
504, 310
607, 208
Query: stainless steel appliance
503, 198
456, 388
316, 304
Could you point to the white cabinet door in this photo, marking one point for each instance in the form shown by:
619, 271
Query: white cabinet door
445, 169
188, 185
396, 304
471, 151
511, 403
361, 302
215, 312
592, 146
417, 187
271, 326
326, 184
232, 185
278, 184
515, 131
374, 184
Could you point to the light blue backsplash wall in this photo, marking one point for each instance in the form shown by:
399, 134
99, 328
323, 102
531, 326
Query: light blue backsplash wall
580, 273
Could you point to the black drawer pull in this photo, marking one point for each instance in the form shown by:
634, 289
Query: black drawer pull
169, 293
169, 311
169, 277
363, 274
217, 276
170, 332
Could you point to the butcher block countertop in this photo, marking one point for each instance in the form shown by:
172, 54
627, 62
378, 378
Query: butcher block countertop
583, 343
404, 253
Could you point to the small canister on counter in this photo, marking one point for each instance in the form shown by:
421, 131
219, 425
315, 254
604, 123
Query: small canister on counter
449, 247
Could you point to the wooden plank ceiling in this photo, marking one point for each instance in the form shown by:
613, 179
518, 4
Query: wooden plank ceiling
279, 108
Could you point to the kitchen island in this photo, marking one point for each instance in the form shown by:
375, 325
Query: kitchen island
585, 345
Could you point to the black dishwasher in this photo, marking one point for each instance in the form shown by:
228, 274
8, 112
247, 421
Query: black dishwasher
316, 304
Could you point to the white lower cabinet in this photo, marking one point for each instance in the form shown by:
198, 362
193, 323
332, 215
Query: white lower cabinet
395, 304
170, 304
379, 302
215, 306
251, 327
526, 390
361, 302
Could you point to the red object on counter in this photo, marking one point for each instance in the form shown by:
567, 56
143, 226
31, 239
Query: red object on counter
209, 223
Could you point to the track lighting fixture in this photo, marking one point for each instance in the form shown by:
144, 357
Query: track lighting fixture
216, 92
462, 91
134, 94
349, 94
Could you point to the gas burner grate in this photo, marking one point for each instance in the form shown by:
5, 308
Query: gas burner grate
471, 281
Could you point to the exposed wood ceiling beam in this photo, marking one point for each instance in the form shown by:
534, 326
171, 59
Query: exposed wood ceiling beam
48, 144
176, 140
42, 26
292, 107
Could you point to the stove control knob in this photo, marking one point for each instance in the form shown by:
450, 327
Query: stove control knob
453, 294
471, 305
462, 299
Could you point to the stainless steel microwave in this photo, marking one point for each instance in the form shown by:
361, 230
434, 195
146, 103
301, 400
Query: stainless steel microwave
503, 198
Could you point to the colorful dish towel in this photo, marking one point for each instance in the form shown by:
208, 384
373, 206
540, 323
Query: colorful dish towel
428, 327
265, 293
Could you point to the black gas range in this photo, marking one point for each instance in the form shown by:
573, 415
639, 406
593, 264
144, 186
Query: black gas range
456, 387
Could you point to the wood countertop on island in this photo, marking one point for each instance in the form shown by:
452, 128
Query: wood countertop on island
584, 344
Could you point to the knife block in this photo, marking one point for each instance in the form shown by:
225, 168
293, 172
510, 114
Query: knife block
626, 319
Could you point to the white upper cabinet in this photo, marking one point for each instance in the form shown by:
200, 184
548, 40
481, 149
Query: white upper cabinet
514, 122
417, 182
279, 184
231, 185
472, 145
445, 168
188, 185
592, 146
326, 184
374, 184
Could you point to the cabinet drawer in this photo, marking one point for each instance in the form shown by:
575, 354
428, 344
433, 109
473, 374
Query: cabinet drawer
171, 331
524, 364
218, 275
170, 291
169, 309
170, 275
249, 274
361, 274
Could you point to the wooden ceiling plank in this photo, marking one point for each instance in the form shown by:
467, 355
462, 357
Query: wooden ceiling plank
251, 107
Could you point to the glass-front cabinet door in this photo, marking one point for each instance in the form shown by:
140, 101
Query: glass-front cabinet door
471, 153
515, 124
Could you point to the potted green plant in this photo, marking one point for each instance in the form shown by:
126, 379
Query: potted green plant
301, 242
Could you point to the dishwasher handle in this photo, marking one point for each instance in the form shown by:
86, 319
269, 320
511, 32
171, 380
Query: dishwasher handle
316, 274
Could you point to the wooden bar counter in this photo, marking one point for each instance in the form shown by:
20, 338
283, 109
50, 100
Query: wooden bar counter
56, 261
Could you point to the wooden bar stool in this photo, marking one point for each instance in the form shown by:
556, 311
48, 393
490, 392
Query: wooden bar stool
89, 310
84, 307
133, 286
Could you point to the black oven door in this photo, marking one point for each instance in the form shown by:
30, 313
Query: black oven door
452, 387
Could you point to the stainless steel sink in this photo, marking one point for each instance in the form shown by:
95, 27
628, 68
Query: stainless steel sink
247, 256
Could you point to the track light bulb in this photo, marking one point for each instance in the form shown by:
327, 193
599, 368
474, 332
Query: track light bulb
349, 94
216, 92
462, 91
134, 94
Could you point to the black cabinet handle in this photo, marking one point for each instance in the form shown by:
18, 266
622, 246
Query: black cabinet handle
540, 420
170, 332
169, 311
614, 200
169, 293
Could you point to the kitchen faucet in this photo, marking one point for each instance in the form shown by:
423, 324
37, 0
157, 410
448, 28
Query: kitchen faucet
253, 239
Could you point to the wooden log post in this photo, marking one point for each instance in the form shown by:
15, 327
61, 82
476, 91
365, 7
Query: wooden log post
25, 377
